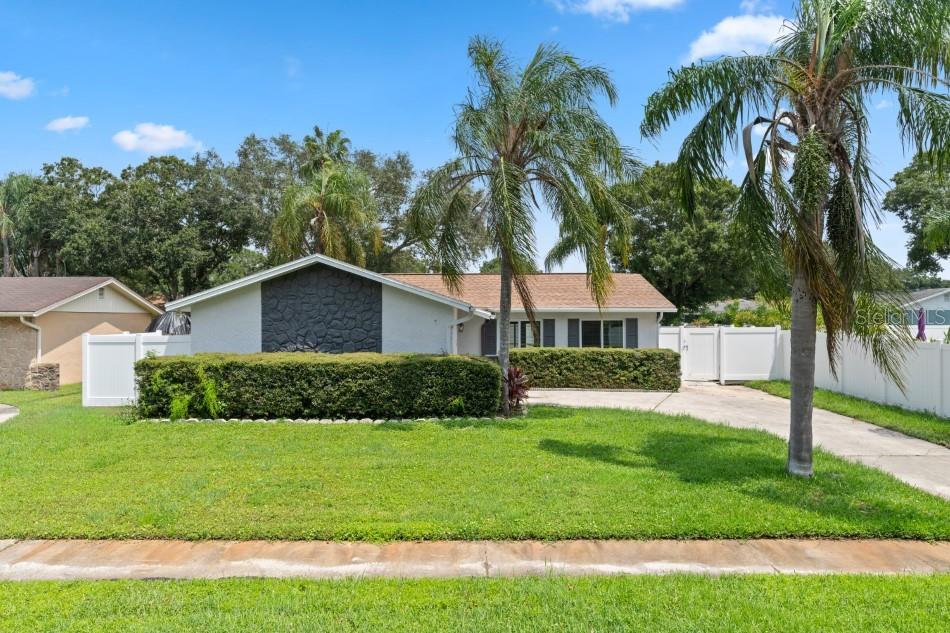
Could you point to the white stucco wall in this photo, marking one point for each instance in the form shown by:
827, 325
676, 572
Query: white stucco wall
415, 324
228, 323
470, 338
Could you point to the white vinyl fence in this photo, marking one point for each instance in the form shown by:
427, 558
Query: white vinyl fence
108, 379
730, 354
725, 353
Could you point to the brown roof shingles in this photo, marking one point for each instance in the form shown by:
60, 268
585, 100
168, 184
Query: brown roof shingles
550, 290
31, 294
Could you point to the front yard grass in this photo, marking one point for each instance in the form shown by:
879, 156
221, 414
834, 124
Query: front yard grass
71, 472
729, 604
921, 424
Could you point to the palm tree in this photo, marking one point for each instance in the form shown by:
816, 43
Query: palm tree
330, 215
321, 149
810, 191
527, 136
13, 196
937, 230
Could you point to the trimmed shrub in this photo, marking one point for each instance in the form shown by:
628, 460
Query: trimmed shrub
580, 368
308, 385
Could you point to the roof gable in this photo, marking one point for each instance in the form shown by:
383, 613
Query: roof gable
310, 260
33, 296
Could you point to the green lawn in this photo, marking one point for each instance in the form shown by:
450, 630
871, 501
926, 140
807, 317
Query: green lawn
66, 471
926, 426
730, 604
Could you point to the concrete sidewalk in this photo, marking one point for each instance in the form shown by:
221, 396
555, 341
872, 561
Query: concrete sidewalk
96, 560
914, 461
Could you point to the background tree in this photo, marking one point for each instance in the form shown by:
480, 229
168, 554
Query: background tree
920, 193
809, 193
174, 223
14, 193
937, 231
522, 136
265, 168
402, 249
63, 199
693, 259
493, 266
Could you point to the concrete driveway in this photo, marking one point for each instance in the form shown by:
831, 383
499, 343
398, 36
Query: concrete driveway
919, 463
7, 412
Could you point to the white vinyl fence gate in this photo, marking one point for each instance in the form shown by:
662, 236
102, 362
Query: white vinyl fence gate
736, 354
108, 376
725, 353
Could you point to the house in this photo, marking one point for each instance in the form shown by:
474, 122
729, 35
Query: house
320, 304
935, 302
42, 320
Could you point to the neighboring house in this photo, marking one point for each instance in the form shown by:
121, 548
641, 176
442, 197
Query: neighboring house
320, 304
42, 320
935, 302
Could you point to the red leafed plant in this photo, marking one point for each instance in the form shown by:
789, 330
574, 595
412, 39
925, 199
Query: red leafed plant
518, 386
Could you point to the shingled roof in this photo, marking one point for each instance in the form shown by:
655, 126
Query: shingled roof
31, 295
561, 291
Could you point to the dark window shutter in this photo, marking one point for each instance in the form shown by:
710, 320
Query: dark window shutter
547, 339
573, 332
489, 338
524, 334
633, 334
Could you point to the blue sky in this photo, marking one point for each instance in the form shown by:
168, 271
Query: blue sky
112, 82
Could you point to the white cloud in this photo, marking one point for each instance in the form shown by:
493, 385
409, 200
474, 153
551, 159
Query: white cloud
756, 6
615, 10
737, 34
155, 139
13, 86
883, 104
292, 66
66, 123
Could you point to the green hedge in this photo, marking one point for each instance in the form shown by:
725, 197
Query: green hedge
580, 368
307, 385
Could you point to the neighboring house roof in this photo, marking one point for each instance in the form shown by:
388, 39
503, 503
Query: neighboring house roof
34, 296
920, 296
564, 292
303, 262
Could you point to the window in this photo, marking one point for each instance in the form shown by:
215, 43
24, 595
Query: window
590, 334
520, 334
613, 333
102, 293
602, 334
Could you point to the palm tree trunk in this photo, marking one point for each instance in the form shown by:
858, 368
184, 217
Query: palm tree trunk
802, 376
504, 330
6, 256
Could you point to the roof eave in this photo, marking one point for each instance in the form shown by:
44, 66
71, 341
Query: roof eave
303, 262
927, 298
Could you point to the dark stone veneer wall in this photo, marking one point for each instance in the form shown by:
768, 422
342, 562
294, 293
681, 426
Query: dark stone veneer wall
321, 309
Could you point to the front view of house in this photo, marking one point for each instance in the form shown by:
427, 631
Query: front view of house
323, 305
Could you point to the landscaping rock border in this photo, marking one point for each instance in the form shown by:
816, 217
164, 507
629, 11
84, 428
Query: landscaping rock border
325, 421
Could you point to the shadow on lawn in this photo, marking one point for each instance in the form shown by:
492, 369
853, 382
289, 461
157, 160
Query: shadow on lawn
749, 466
